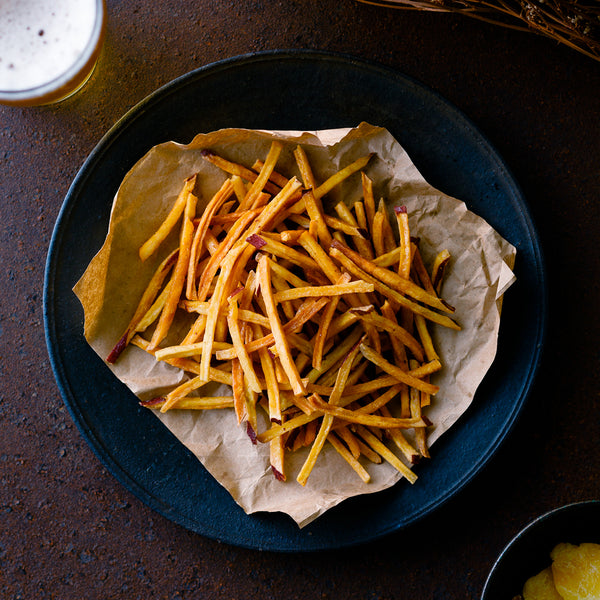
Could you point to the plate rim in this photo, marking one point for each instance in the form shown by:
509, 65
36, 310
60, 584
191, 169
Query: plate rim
103, 147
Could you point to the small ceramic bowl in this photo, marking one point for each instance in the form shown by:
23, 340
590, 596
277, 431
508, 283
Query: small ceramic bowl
529, 551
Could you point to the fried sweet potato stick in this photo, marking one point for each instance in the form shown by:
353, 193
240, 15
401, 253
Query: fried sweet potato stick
181, 391
263, 177
239, 346
215, 304
349, 457
321, 337
340, 384
277, 458
439, 268
371, 420
393, 295
363, 246
386, 453
144, 305
239, 392
368, 199
223, 194
306, 311
211, 268
179, 273
192, 403
277, 178
281, 343
401, 375
315, 291
155, 240
342, 174
396, 331
391, 279
236, 169
405, 261
272, 246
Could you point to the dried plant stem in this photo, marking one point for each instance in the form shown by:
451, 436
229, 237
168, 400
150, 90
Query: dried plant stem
573, 23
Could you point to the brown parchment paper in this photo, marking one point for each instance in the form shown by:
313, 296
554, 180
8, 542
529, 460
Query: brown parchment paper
479, 274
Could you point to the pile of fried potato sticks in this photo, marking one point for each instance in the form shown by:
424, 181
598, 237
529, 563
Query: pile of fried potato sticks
321, 321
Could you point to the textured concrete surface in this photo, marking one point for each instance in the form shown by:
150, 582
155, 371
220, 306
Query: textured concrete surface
69, 530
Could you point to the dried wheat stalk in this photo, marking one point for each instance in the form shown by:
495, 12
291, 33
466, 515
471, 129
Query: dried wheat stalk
572, 22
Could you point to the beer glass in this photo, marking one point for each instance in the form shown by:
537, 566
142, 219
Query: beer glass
48, 48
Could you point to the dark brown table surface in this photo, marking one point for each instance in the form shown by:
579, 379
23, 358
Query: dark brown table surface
69, 530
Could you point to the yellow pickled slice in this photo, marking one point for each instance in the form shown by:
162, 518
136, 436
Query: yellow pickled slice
576, 571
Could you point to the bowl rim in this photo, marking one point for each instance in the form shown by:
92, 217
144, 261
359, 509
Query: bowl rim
537, 524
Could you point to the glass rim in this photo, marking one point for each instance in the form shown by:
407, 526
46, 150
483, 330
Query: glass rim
71, 72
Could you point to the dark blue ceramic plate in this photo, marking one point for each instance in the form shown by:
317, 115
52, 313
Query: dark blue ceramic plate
528, 552
300, 90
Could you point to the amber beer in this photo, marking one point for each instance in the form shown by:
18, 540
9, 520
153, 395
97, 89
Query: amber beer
48, 48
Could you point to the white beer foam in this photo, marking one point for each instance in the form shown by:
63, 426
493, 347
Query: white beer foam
41, 39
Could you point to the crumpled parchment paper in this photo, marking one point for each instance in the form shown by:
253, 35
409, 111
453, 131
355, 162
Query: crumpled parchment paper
479, 274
